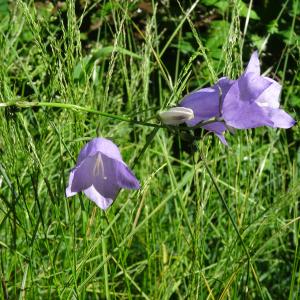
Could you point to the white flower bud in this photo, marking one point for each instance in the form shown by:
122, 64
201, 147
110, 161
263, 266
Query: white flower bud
176, 115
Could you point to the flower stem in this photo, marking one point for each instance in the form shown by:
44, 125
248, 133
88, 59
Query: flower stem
74, 107
230, 217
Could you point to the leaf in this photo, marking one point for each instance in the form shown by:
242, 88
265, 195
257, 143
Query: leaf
184, 46
209, 2
294, 101
218, 32
87, 63
4, 9
272, 27
244, 12
289, 37
81, 67
222, 5
258, 41
104, 52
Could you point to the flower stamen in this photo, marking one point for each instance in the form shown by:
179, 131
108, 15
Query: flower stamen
99, 167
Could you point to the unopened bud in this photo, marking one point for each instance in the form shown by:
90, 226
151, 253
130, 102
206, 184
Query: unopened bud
176, 115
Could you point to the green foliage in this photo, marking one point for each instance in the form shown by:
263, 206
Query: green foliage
88, 64
71, 70
224, 5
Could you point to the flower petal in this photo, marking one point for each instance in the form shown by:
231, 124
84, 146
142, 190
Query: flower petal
280, 118
250, 87
96, 197
69, 192
105, 179
253, 64
249, 115
270, 96
205, 102
240, 109
82, 176
222, 139
102, 145
217, 128
225, 84
240, 114
126, 178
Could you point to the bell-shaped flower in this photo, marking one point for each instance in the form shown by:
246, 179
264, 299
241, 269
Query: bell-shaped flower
176, 115
253, 101
207, 104
100, 173
248, 102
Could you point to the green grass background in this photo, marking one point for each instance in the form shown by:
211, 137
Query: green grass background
71, 71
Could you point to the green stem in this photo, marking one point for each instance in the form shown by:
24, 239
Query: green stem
74, 107
27, 104
226, 206
230, 217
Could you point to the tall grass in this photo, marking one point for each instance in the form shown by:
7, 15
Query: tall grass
174, 238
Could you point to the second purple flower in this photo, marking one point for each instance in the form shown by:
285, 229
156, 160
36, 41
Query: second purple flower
248, 102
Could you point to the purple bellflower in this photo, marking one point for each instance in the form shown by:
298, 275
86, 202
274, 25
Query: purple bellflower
253, 101
207, 104
248, 102
100, 173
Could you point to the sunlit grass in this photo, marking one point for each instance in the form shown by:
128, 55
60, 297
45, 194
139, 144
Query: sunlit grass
173, 238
